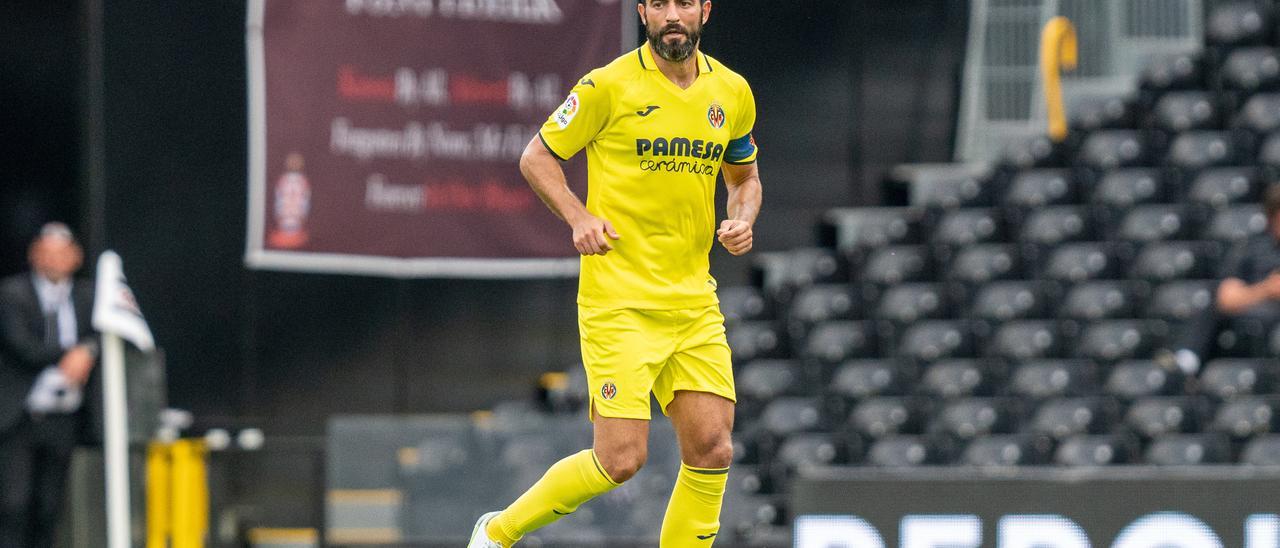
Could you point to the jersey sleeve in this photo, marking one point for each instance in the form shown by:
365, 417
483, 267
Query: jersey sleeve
742, 147
578, 120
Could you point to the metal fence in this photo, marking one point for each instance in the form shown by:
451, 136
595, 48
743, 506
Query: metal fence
1002, 97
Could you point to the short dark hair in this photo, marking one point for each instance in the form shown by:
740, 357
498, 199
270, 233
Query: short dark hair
1271, 202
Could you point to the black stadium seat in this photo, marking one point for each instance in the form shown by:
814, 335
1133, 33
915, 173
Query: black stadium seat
764, 380
981, 263
1007, 450
867, 378
1094, 113
1269, 153
1045, 379
1235, 223
896, 264
1003, 301
1251, 69
743, 303
1124, 188
968, 226
882, 417
1237, 24
1040, 187
752, 340
786, 416
1218, 187
1103, 299
1182, 300
1097, 450
1155, 222
855, 230
802, 451
1025, 340
1133, 379
1260, 113
1226, 378
1160, 262
1172, 71
781, 273
836, 341
1054, 225
1115, 340
1179, 111
1262, 450
823, 302
1114, 148
933, 340
970, 418
1189, 450
1247, 416
907, 303
1198, 149
906, 451
1080, 261
961, 378
1157, 416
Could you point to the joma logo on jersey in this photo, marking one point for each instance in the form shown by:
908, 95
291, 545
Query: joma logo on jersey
679, 146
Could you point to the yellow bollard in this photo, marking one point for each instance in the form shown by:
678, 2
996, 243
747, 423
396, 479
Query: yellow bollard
177, 494
159, 494
1058, 51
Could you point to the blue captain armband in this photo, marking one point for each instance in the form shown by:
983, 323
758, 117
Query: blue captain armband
741, 150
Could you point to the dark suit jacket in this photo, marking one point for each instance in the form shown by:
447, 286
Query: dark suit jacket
23, 351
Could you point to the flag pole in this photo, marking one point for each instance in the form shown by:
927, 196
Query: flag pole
116, 430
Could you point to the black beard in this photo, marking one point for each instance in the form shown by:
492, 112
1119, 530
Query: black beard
677, 52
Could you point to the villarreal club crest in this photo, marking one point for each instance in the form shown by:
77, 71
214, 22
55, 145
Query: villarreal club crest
715, 115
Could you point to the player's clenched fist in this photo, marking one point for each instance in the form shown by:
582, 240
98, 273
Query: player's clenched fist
735, 236
591, 235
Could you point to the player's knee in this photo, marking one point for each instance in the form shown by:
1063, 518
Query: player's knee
712, 452
622, 464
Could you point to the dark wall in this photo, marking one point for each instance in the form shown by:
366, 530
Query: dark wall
844, 89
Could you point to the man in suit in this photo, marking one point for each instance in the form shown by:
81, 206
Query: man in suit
47, 351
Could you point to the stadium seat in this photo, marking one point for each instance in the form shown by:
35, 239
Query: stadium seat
1054, 225
945, 186
933, 340
785, 416
1160, 415
857, 229
764, 380
884, 416
1218, 187
897, 264
1039, 188
1125, 188
1025, 340
1179, 111
1045, 379
1097, 450
960, 378
1260, 114
1237, 24
1236, 223
1181, 300
1133, 379
981, 263
1115, 340
1194, 150
1269, 154
1063, 418
868, 378
1079, 261
1031, 153
1160, 262
1095, 113
906, 303
968, 226
1247, 416
781, 273
834, 342
1155, 222
1103, 299
1002, 301
743, 304
753, 340
970, 418
1172, 71
823, 302
1189, 450
1007, 450
1251, 69
1263, 450
1113, 148
802, 451
1226, 378
904, 451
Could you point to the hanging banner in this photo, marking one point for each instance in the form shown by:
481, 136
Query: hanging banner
385, 135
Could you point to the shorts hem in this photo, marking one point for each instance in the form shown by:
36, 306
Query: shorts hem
731, 397
647, 416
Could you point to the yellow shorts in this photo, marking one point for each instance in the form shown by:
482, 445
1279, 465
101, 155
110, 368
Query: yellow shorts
630, 352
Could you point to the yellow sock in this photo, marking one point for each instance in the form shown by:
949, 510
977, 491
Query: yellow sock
574, 480
693, 515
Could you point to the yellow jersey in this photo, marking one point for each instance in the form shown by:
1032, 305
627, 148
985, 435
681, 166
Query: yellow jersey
653, 153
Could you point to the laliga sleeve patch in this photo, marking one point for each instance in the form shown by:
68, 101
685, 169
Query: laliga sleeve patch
568, 110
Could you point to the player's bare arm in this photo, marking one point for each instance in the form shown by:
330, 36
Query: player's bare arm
745, 192
545, 175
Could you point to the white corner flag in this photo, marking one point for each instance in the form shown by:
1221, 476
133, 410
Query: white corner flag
115, 311
116, 316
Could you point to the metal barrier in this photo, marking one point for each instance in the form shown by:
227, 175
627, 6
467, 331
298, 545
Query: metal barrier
1001, 102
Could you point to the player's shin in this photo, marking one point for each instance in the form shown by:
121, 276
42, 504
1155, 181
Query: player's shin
566, 485
693, 515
